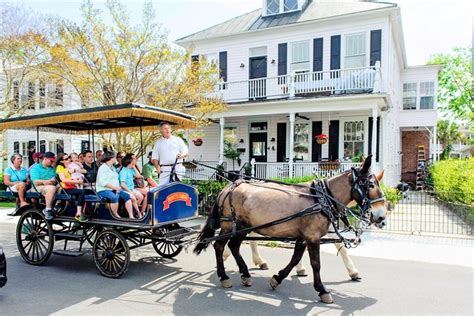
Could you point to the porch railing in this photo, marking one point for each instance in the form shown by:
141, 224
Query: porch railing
203, 173
340, 81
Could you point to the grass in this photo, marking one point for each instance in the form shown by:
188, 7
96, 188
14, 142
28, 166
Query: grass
7, 204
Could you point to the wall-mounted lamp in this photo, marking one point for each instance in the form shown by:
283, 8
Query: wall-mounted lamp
272, 140
273, 61
242, 65
241, 141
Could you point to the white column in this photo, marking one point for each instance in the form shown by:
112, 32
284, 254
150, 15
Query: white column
292, 143
375, 114
221, 140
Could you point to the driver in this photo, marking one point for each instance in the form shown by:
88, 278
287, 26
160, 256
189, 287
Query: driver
165, 152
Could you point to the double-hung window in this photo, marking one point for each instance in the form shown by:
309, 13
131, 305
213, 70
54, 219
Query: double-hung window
290, 5
301, 142
300, 62
354, 137
409, 96
273, 7
355, 51
426, 95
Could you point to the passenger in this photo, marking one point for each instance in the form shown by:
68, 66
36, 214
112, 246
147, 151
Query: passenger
70, 185
36, 158
16, 178
118, 165
108, 185
91, 168
43, 177
126, 176
149, 173
98, 157
165, 152
76, 170
81, 158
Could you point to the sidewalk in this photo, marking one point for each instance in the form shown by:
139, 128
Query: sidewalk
384, 245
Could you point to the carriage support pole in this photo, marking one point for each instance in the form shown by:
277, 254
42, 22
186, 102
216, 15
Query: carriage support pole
37, 149
141, 145
93, 145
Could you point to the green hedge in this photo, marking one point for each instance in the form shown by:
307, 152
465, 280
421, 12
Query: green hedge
453, 180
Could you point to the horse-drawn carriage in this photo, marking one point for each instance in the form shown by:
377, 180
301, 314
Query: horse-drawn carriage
111, 238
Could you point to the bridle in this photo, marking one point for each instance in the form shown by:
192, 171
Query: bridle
361, 184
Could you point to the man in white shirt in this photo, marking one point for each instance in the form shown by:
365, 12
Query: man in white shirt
165, 152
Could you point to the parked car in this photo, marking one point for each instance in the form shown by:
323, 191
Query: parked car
3, 268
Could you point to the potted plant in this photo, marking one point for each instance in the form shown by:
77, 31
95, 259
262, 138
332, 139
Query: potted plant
231, 151
321, 139
198, 141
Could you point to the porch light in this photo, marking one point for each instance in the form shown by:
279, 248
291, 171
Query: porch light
272, 140
273, 61
241, 141
242, 65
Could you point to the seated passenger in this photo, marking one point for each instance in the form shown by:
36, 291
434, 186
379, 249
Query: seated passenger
90, 167
126, 176
37, 159
70, 185
16, 178
149, 173
43, 177
118, 164
76, 170
108, 185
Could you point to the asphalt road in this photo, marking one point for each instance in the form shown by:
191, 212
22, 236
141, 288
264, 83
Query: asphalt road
189, 286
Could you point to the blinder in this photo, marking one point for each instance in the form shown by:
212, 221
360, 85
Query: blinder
361, 186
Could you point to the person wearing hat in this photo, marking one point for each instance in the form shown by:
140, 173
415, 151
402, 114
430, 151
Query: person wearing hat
36, 158
43, 177
149, 172
168, 150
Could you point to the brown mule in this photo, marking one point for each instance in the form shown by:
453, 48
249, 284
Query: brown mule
260, 203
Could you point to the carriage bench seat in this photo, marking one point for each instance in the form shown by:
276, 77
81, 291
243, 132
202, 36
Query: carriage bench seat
62, 197
92, 198
33, 195
8, 195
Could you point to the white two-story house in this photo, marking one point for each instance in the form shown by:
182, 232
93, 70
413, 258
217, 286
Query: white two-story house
296, 69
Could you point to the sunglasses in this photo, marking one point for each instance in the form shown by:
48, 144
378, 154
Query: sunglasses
67, 158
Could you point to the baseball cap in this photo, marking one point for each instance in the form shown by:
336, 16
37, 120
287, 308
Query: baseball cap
49, 155
37, 155
150, 153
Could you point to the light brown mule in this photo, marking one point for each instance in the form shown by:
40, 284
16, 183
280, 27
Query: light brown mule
260, 203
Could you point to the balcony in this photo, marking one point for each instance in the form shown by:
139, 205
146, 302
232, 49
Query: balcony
308, 84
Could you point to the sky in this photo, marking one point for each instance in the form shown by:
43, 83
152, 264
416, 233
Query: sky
430, 26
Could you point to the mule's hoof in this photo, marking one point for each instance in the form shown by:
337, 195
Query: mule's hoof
301, 273
355, 277
326, 298
274, 283
263, 266
246, 281
226, 283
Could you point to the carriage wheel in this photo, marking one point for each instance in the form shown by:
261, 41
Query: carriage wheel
166, 248
111, 253
34, 237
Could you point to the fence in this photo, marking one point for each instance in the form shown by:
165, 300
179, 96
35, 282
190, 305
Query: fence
422, 212
281, 170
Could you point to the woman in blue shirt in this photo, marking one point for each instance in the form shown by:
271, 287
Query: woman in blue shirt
16, 178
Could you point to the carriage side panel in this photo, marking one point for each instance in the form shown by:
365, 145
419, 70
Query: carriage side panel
174, 202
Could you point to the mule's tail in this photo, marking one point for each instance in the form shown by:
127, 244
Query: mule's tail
209, 229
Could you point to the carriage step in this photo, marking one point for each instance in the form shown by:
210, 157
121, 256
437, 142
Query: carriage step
68, 253
67, 236
183, 232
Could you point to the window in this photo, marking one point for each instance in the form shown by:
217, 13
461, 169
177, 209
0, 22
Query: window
24, 95
230, 133
355, 50
290, 5
31, 96
258, 126
300, 56
16, 147
426, 95
59, 95
56, 146
42, 146
211, 59
409, 96
16, 94
85, 145
24, 149
301, 142
273, 7
354, 137
42, 94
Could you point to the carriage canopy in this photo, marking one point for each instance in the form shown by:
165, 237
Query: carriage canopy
112, 118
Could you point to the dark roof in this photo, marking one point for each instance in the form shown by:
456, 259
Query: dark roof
315, 10
129, 116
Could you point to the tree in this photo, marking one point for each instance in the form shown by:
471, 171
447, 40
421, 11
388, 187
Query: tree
448, 133
123, 62
455, 90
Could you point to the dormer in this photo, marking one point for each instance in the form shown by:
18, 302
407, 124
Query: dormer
276, 7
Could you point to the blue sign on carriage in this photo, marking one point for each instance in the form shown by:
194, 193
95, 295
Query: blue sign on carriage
174, 202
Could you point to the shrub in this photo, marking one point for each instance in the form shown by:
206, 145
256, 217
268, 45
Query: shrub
453, 180
296, 180
391, 194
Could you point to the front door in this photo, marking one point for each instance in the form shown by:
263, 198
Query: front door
258, 147
258, 69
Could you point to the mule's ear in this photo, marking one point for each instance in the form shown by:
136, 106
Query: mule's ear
367, 163
379, 176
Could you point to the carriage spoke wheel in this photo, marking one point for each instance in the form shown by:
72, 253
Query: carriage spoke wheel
166, 248
34, 237
111, 253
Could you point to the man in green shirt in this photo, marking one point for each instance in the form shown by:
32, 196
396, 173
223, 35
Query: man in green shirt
43, 177
149, 173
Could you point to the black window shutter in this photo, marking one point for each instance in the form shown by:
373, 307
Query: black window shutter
316, 148
371, 124
334, 140
375, 46
281, 142
335, 52
282, 59
223, 66
195, 63
318, 54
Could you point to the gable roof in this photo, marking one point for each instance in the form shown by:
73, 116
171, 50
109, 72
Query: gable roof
252, 21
